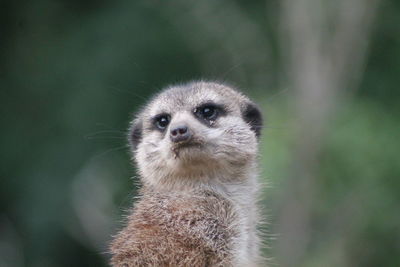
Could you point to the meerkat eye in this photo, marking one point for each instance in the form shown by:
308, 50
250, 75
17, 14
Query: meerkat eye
162, 121
208, 112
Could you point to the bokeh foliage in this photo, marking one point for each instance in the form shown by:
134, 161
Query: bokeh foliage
72, 73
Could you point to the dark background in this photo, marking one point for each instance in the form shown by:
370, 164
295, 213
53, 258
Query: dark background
72, 73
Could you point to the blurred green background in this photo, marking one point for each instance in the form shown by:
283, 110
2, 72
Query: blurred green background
72, 73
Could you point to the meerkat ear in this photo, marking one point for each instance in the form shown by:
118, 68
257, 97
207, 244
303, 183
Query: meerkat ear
135, 133
252, 115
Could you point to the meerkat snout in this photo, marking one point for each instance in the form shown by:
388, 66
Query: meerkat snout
180, 133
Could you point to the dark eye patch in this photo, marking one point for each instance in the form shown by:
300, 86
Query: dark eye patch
161, 121
209, 112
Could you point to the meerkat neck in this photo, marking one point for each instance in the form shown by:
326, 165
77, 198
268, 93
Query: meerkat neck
230, 184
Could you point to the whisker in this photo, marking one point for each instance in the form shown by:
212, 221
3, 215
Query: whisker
131, 93
280, 92
109, 127
106, 134
273, 127
109, 150
104, 137
224, 74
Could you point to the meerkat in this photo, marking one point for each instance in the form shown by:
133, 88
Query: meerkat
196, 149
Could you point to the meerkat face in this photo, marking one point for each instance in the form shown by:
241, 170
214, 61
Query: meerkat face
195, 131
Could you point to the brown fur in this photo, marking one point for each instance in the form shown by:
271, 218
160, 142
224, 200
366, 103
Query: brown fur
181, 229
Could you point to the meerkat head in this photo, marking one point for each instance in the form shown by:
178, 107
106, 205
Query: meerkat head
196, 133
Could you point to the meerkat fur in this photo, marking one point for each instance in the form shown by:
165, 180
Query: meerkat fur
196, 148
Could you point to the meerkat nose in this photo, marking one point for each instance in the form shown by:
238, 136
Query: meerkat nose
180, 133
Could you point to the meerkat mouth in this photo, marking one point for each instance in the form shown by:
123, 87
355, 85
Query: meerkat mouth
185, 145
